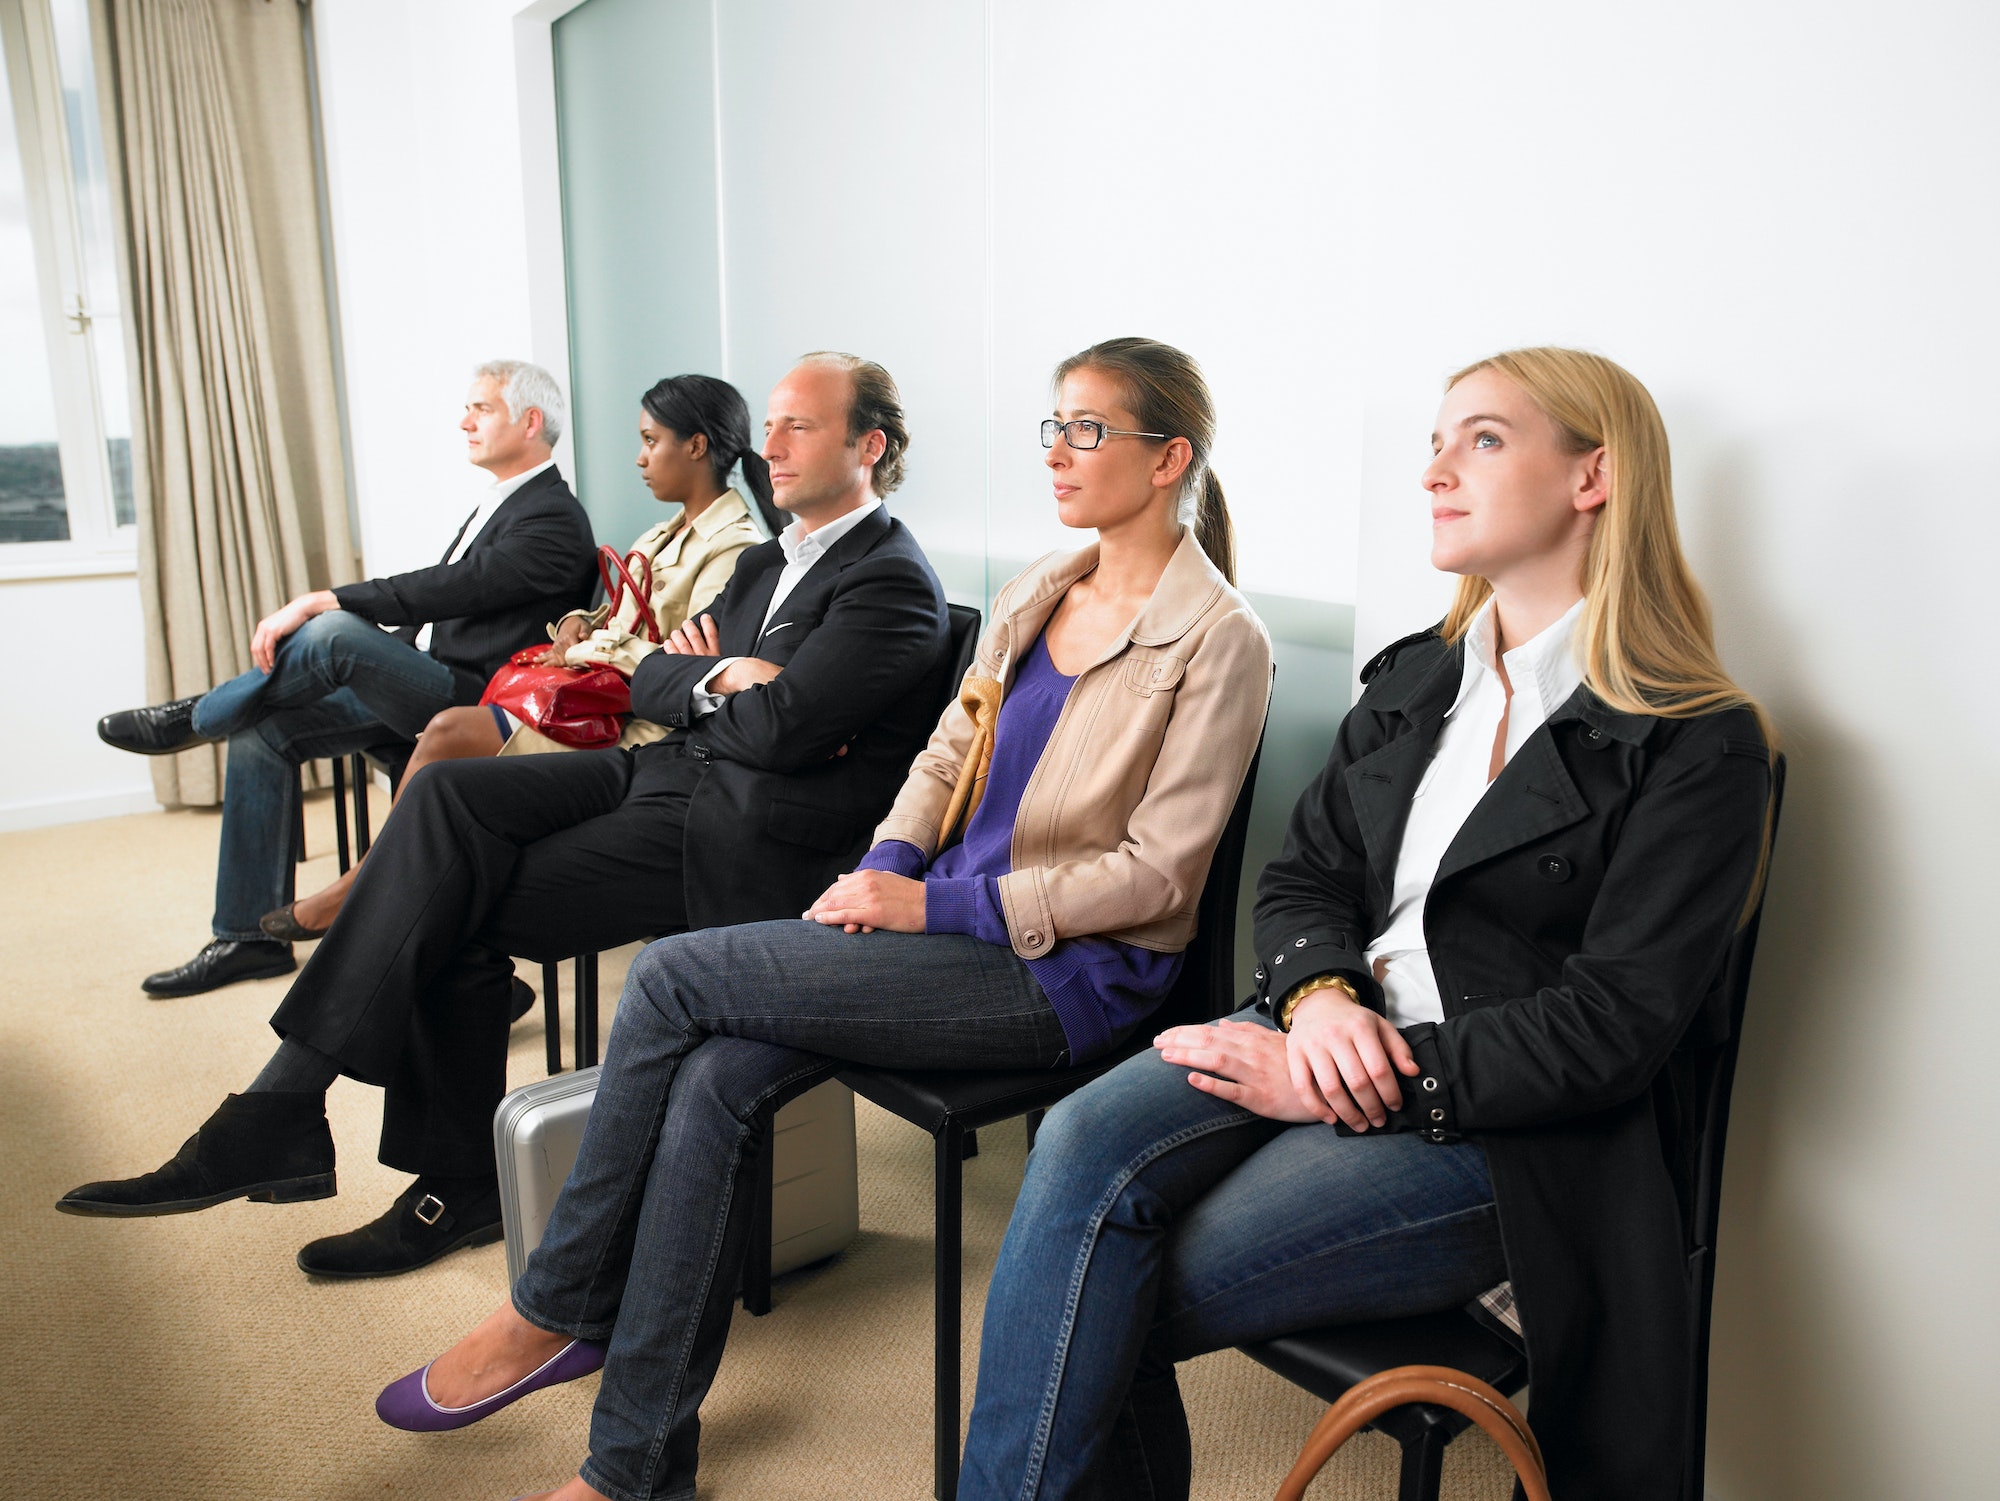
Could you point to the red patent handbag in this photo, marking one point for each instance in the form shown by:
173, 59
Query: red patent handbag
581, 707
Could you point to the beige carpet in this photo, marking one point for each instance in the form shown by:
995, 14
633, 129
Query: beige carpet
187, 1357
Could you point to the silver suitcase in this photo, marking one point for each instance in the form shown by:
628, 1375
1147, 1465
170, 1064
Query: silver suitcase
815, 1195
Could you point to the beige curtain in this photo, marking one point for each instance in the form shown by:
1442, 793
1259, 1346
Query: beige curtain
237, 469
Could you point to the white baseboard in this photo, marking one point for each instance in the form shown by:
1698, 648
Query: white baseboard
55, 810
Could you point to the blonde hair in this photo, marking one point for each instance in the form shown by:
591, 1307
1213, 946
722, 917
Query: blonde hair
1645, 642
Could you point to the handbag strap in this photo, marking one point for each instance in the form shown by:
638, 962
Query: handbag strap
1442, 1386
609, 562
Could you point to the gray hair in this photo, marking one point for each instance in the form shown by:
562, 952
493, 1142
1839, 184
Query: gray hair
522, 386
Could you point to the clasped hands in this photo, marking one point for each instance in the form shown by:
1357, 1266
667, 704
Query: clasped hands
863, 900
1338, 1063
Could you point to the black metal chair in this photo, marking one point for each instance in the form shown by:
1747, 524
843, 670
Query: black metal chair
1326, 1362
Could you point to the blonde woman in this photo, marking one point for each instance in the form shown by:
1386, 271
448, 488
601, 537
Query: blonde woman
693, 429
1495, 912
1131, 681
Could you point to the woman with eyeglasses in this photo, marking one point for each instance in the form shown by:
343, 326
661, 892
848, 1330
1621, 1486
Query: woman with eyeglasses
1086, 772
1494, 916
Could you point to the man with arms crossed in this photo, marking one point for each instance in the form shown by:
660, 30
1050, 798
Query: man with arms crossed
328, 681
797, 706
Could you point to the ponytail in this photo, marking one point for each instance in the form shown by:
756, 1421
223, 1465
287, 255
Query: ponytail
757, 479
1168, 394
690, 404
1212, 527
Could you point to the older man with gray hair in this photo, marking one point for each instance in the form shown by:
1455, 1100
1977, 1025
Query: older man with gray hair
368, 664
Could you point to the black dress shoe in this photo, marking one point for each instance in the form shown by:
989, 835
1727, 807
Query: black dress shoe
434, 1217
270, 1147
222, 961
284, 926
160, 730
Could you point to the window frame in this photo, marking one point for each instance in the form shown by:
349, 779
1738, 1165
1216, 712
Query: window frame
97, 544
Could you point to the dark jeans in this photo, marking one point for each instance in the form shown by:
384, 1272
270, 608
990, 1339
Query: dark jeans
337, 684
1157, 1223
536, 856
645, 1245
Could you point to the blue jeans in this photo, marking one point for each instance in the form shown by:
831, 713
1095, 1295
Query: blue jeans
337, 684
1157, 1223
645, 1244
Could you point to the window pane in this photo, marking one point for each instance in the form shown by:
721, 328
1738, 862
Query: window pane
100, 263
31, 488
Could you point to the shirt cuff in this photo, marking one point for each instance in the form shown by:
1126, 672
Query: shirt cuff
898, 857
968, 905
700, 701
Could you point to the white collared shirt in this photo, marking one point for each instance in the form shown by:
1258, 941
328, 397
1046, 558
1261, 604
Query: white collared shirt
1544, 674
802, 549
476, 523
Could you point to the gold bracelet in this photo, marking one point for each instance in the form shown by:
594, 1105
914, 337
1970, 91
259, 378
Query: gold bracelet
1316, 983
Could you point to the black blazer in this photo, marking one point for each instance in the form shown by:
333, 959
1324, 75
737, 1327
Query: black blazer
864, 641
534, 561
1577, 927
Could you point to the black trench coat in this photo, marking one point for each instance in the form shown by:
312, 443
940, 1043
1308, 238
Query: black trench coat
1577, 923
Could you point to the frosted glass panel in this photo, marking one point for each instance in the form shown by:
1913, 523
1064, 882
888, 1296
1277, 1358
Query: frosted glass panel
855, 220
636, 127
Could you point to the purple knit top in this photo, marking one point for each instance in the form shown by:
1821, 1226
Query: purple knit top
1099, 988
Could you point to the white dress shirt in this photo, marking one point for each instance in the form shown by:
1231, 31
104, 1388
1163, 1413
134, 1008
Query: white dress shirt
1544, 674
802, 549
476, 523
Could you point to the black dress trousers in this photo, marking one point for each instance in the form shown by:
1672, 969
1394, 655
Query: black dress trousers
538, 856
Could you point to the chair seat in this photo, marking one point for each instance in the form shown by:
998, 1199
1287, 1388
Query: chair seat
929, 1098
1326, 1362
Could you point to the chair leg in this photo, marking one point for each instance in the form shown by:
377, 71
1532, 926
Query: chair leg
340, 811
360, 764
946, 1276
757, 1259
298, 815
971, 1148
552, 1016
1423, 1467
586, 1010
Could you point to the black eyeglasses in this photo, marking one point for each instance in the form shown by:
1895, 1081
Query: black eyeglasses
1083, 434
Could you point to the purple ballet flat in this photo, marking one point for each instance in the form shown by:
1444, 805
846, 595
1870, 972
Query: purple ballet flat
406, 1402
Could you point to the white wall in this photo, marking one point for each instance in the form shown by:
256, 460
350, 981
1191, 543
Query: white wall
78, 657
1784, 226
1781, 221
424, 147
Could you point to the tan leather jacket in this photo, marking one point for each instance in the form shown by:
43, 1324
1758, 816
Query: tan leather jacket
1118, 823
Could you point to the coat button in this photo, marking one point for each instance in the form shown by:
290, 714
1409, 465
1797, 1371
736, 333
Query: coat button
1437, 1115
1300, 944
1595, 738
1034, 938
1552, 867
1278, 959
1430, 1086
